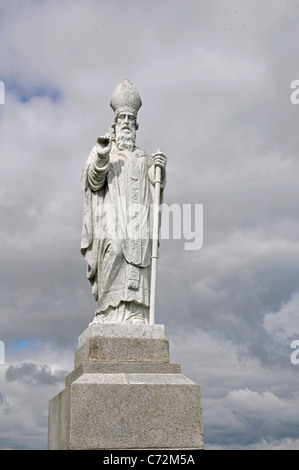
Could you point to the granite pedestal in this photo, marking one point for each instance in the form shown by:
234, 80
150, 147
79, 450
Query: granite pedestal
124, 394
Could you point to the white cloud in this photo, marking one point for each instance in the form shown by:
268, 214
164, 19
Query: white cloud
261, 406
283, 444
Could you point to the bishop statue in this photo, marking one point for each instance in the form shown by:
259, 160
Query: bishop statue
118, 188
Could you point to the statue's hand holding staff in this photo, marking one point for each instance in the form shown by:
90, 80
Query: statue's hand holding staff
160, 159
103, 146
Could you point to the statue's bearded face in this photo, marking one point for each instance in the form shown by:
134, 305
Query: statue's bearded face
125, 131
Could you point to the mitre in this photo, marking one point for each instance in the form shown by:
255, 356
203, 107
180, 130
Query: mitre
125, 98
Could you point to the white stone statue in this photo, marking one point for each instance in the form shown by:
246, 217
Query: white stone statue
117, 196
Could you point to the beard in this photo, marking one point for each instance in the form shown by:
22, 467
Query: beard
125, 140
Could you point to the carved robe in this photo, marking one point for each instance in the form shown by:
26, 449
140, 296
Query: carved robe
117, 194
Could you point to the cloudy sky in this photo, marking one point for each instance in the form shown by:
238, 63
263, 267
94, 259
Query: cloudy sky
215, 80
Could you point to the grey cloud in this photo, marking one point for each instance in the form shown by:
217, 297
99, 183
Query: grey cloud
4, 404
30, 373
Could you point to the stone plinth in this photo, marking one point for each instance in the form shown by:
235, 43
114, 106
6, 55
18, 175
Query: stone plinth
124, 394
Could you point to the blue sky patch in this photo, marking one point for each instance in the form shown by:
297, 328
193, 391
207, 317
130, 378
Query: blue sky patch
20, 344
23, 344
25, 93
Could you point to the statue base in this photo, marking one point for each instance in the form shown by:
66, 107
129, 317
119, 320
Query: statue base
124, 394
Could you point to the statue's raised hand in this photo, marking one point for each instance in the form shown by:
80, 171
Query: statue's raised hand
103, 146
